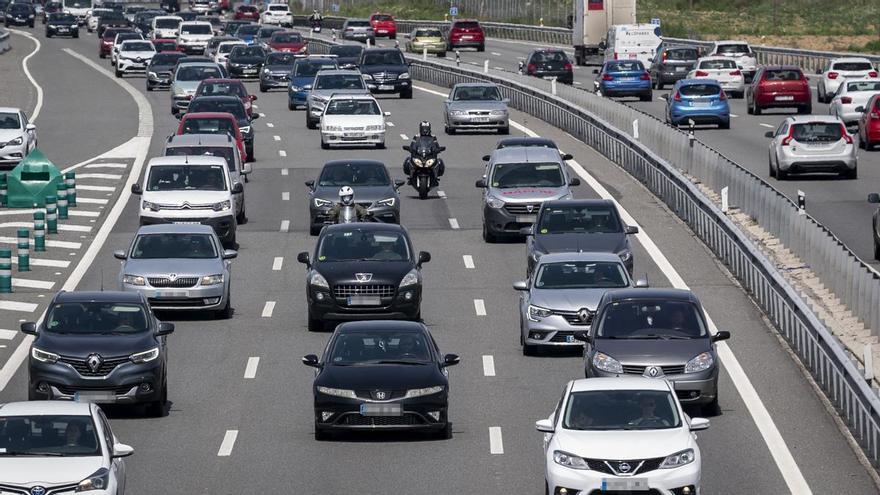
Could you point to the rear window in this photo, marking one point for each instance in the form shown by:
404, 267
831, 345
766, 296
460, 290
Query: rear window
382, 17
682, 54
196, 29
278, 8
782, 75
737, 49
863, 86
556, 56
376, 57
817, 132
466, 25
287, 37
346, 50
853, 66
627, 66
167, 58
700, 90
359, 23
247, 8
717, 64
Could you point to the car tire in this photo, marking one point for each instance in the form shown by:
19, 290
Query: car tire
805, 110
504, 130
821, 96
756, 110
322, 435
851, 174
529, 350
76, 34
291, 106
488, 236
149, 87
481, 48
250, 153
449, 130
33, 395
711, 409
102, 55
781, 174
118, 73
770, 170
380, 146
324, 146
406, 94
159, 408
315, 229
724, 125
876, 257
225, 313
48, 34
659, 85
242, 218
310, 124
315, 325
441, 54
446, 432
263, 89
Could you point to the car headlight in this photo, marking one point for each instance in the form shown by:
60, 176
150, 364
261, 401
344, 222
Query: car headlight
133, 279
625, 255
411, 278
374, 128
457, 112
245, 129
265, 71
569, 460
386, 202
607, 363
178, 91
700, 362
419, 392
52, 26
368, 77
405, 75
99, 480
537, 313
146, 205
153, 75
222, 205
43, 356
318, 280
212, 279
16, 142
322, 203
333, 128
338, 392
678, 459
145, 357
494, 202
295, 89
498, 112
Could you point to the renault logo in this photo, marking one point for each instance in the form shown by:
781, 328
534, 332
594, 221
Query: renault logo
381, 395
94, 361
653, 372
363, 277
584, 315
624, 467
38, 490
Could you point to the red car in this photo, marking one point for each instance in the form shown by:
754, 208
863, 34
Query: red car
165, 45
213, 123
247, 13
105, 42
869, 124
227, 87
779, 86
288, 41
466, 33
384, 25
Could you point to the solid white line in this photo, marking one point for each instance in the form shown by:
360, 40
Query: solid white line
488, 366
498, 68
250, 371
765, 125
578, 83
282, 153
84, 187
285, 196
63, 244
268, 309
107, 165
389, 124
734, 115
31, 284
277, 263
496, 445
44, 262
285, 226
99, 176
276, 138
270, 125
403, 136
262, 115
17, 306
284, 171
91, 201
27, 72
7, 334
480, 307
228, 443
468, 261
453, 222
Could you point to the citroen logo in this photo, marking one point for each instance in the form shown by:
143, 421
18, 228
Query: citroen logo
94, 361
38, 490
653, 372
381, 395
584, 315
185, 206
624, 467
363, 277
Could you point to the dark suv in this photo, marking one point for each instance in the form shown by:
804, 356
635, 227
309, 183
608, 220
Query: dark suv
386, 71
672, 63
104, 347
363, 271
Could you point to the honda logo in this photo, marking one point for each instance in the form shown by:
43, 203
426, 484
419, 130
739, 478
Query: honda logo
363, 277
94, 361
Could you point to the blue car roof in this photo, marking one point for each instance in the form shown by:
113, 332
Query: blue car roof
688, 82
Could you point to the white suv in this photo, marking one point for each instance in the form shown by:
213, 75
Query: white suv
353, 119
134, 56
277, 13
190, 189
68, 446
838, 69
739, 51
193, 36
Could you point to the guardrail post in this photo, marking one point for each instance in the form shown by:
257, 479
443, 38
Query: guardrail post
70, 181
802, 202
39, 231
553, 86
635, 126
5, 271
486, 67
4, 195
868, 358
425, 53
51, 215
24, 256
368, 43
62, 201
457, 58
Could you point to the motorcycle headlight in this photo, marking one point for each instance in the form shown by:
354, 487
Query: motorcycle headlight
223, 205
700, 362
625, 255
386, 202
411, 278
212, 279
99, 480
405, 75
43, 356
145, 357
16, 142
569, 460
417, 162
678, 459
537, 313
318, 280
607, 363
494, 202
419, 392
338, 392
133, 279
498, 112
430, 162
146, 205
322, 203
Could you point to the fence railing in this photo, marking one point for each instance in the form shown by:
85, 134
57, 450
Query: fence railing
603, 125
4, 41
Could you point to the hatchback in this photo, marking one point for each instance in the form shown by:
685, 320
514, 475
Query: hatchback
550, 64
213, 123
699, 100
672, 63
623, 78
384, 25
358, 30
466, 33
812, 143
779, 86
869, 123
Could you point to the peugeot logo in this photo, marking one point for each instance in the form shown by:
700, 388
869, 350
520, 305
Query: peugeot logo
94, 361
363, 277
653, 372
381, 395
38, 490
584, 315
624, 467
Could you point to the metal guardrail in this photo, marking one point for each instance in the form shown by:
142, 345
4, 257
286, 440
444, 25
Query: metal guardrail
598, 123
4, 41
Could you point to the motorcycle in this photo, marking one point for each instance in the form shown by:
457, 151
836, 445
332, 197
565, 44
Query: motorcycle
348, 214
423, 166
316, 25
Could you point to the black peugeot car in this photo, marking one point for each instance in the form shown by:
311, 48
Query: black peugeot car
245, 62
61, 24
233, 105
363, 271
386, 71
104, 347
381, 375
161, 69
20, 14
276, 70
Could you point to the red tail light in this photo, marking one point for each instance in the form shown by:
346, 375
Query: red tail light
787, 139
567, 66
702, 73
645, 76
846, 136
677, 96
845, 99
833, 75
615, 55
875, 115
723, 96
736, 72
873, 73
665, 56
607, 77
531, 68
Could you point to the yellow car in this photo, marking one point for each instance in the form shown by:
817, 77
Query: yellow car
430, 38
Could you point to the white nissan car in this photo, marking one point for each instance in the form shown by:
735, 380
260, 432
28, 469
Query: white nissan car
59, 447
353, 120
18, 137
621, 434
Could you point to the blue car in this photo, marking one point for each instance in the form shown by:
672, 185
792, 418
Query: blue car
623, 78
248, 33
700, 100
303, 75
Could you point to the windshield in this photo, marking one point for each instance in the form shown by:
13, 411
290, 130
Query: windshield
48, 435
392, 57
682, 54
226, 105
96, 318
196, 29
161, 246
208, 126
227, 47
226, 152
222, 89
477, 93
428, 33
287, 38
581, 275
359, 348
700, 90
247, 51
62, 18
853, 66
621, 410
817, 132
634, 66
363, 245
733, 49
166, 58
186, 178
507, 175
354, 174
9, 121
138, 47
717, 64
340, 81
352, 107
266, 33
247, 29
346, 50
308, 69
863, 86
197, 73
601, 219
652, 319
280, 59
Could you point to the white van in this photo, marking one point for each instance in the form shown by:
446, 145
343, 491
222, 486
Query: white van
165, 26
632, 42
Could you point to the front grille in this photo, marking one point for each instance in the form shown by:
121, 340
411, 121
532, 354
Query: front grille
636, 466
522, 208
617, 492
176, 303
363, 290
384, 76
67, 390
167, 282
573, 318
26, 491
359, 128
82, 367
667, 370
478, 112
561, 336
404, 420
185, 206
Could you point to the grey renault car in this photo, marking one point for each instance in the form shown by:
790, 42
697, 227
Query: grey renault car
576, 226
657, 333
562, 296
178, 267
373, 189
328, 83
475, 106
516, 182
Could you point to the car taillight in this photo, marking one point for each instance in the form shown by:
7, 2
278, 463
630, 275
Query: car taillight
845, 99
615, 55
832, 75
567, 66
531, 68
702, 73
846, 136
677, 96
607, 77
665, 56
787, 139
723, 96
736, 72
247, 104
873, 73
644, 76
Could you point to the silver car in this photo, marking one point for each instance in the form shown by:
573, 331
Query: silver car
328, 83
474, 106
851, 95
562, 294
186, 80
178, 267
812, 143
359, 30
516, 182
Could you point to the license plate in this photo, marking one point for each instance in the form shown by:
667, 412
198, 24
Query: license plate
386, 87
383, 31
364, 300
250, 71
172, 293
549, 77
89, 396
526, 218
627, 79
467, 37
352, 134
680, 69
784, 98
381, 410
480, 119
630, 484
700, 104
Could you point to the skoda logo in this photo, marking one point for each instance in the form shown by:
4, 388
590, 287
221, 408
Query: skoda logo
624, 467
38, 490
653, 371
363, 277
381, 395
584, 315
94, 361
172, 277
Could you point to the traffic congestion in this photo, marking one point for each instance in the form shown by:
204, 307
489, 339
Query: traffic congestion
371, 248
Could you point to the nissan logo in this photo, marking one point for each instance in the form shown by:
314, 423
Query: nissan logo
624, 467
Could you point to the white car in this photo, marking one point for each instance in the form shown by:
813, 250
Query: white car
224, 49
353, 119
165, 27
18, 137
93, 17
134, 56
278, 14
741, 53
193, 37
722, 69
600, 421
59, 447
850, 95
117, 42
838, 69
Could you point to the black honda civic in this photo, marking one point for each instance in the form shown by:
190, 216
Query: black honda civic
381, 375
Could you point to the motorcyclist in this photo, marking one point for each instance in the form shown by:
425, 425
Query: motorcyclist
424, 134
316, 18
346, 199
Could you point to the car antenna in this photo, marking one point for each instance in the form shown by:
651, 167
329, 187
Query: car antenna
102, 279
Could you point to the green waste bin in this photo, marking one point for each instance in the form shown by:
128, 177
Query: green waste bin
31, 181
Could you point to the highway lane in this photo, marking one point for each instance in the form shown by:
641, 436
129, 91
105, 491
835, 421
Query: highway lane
272, 412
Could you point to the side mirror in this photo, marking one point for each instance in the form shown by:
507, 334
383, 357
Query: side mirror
387, 114
399, 183
520, 285
721, 335
574, 181
567, 156
165, 328
29, 328
303, 258
873, 198
178, 115
642, 283
486, 158
699, 424
595, 71
441, 149
527, 230
229, 254
30, 127
768, 134
119, 254
311, 360
237, 188
481, 183
424, 257
255, 116
246, 169
819, 71
405, 147
451, 360
136, 189
544, 426
122, 450
860, 109
310, 184
603, 45
631, 229
583, 336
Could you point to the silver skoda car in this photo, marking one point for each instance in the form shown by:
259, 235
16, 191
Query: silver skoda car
562, 294
178, 267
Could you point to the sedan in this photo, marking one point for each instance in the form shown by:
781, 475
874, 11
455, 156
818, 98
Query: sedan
838, 70
779, 86
231, 105
550, 64
599, 422
18, 137
60, 24
187, 77
353, 120
475, 106
701, 101
227, 87
178, 267
852, 94
288, 41
672, 63
381, 376
246, 61
812, 143
623, 78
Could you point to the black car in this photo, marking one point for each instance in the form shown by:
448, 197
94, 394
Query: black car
347, 56
230, 27
20, 14
104, 347
161, 69
170, 6
111, 19
386, 71
61, 24
187, 15
265, 34
246, 61
550, 63
381, 375
143, 21
672, 63
579, 225
276, 70
51, 8
233, 105
363, 271
657, 333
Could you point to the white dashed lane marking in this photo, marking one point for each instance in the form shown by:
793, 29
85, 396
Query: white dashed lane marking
91, 201
277, 263
7, 334
453, 222
468, 261
228, 443
276, 138
282, 153
496, 54
285, 225
488, 366
250, 371
765, 125
442, 194
480, 307
99, 176
285, 196
32, 284
496, 444
284, 171
403, 136
18, 306
270, 125
389, 124
268, 309
81, 187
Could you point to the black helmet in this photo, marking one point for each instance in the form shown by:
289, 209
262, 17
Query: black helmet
425, 128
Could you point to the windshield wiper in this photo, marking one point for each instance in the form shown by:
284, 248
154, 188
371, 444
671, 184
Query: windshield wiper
24, 453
